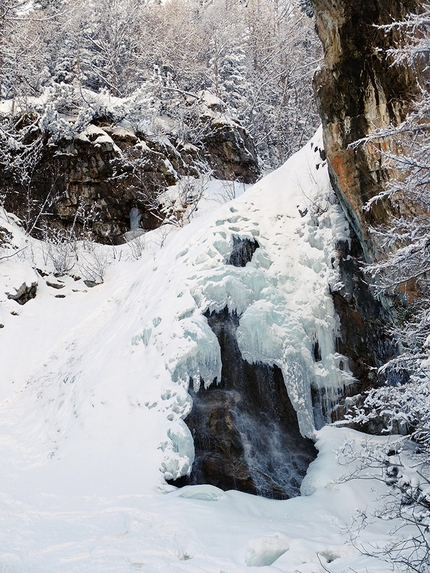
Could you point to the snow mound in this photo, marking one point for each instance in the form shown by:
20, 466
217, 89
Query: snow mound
265, 550
202, 492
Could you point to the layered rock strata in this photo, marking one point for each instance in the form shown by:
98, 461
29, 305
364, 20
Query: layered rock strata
90, 183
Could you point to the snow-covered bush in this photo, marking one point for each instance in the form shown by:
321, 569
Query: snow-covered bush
404, 468
403, 409
179, 203
93, 263
61, 252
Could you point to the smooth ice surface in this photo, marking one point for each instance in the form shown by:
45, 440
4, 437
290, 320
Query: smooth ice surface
93, 389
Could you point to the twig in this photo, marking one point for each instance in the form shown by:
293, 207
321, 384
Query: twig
13, 254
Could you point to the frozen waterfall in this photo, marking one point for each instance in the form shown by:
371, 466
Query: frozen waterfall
266, 259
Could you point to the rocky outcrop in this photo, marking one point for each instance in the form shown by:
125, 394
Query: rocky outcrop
24, 293
362, 319
231, 153
92, 181
357, 91
362, 334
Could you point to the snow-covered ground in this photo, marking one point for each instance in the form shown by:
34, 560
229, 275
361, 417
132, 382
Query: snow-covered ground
94, 381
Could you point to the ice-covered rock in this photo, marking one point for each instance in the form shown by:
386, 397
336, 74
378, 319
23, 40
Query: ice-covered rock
266, 262
179, 451
202, 493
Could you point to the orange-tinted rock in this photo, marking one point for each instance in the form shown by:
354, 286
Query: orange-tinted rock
358, 91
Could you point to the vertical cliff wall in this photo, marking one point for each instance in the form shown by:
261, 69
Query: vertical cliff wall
357, 90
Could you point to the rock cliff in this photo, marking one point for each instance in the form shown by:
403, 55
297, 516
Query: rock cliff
91, 181
358, 90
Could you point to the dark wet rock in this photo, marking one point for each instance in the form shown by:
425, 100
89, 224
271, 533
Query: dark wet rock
5, 236
363, 335
55, 285
245, 429
91, 284
242, 252
363, 318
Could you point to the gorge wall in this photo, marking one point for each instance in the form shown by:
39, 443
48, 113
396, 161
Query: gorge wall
357, 91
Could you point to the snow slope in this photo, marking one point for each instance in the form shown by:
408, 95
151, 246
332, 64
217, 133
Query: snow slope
94, 389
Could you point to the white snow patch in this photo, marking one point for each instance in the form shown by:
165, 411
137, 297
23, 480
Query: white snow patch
265, 551
202, 492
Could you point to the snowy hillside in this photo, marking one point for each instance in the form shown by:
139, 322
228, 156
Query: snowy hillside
94, 384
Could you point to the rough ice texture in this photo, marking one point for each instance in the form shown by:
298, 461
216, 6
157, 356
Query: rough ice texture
268, 257
179, 448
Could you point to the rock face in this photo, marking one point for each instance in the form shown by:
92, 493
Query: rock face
92, 182
357, 91
242, 251
230, 153
362, 334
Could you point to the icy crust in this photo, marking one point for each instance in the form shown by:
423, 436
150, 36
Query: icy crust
282, 297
